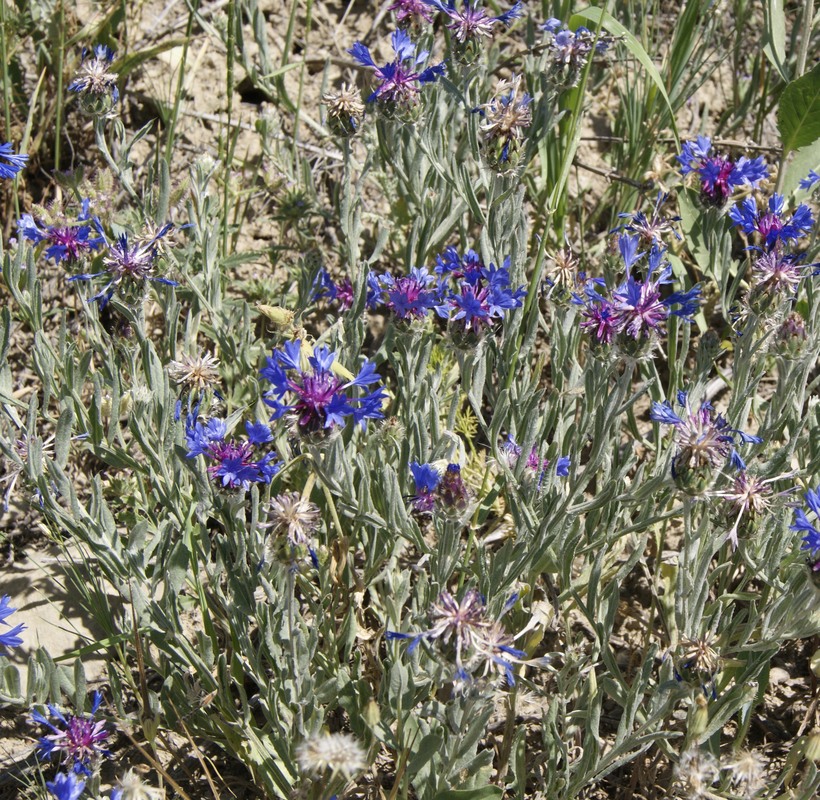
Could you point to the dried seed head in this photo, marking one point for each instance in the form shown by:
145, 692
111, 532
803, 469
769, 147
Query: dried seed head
291, 514
344, 110
699, 657
748, 770
198, 372
337, 753
133, 787
696, 771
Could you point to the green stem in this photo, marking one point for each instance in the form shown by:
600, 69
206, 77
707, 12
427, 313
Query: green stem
169, 144
7, 99
228, 147
58, 123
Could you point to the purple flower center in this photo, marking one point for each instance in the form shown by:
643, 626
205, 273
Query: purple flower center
715, 183
315, 394
69, 238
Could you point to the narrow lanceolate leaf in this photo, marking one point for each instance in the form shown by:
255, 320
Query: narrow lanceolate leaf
775, 37
634, 46
798, 117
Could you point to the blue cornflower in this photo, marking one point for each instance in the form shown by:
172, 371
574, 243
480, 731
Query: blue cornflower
11, 163
398, 83
341, 293
314, 395
411, 11
79, 738
127, 264
480, 294
69, 242
809, 180
94, 83
65, 786
770, 224
471, 22
637, 308
234, 464
411, 296
811, 541
10, 638
536, 466
427, 479
719, 176
445, 491
570, 50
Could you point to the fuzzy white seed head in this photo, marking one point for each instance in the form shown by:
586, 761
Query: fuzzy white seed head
337, 753
748, 771
696, 772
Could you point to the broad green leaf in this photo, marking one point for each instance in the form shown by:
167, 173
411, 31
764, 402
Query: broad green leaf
775, 37
634, 47
798, 117
803, 161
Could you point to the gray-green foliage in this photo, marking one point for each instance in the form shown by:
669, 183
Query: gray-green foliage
256, 655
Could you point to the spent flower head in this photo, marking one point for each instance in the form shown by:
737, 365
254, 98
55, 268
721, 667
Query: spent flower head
344, 110
698, 662
16, 466
653, 229
331, 754
747, 771
750, 497
94, 82
505, 119
297, 519
128, 265
478, 641
195, 372
697, 770
704, 441
399, 80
